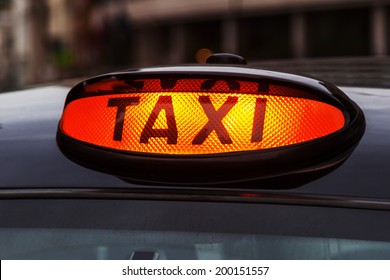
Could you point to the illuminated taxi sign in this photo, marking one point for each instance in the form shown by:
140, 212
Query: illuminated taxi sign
193, 121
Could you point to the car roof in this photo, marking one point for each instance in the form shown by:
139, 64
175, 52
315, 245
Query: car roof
30, 157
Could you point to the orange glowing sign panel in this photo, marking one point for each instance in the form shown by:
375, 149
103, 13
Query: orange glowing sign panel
192, 123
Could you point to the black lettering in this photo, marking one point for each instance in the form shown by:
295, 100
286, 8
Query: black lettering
209, 84
168, 83
163, 103
135, 85
263, 87
215, 120
122, 104
258, 120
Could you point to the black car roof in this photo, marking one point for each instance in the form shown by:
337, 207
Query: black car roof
30, 158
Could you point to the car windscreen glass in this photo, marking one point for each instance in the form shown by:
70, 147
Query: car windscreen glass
114, 229
44, 243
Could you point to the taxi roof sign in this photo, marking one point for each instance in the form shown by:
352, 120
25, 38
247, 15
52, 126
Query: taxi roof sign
207, 124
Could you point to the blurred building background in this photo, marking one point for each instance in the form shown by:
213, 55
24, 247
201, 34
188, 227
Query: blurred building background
48, 40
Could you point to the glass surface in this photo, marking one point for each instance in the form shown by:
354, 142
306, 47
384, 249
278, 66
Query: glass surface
114, 229
43, 243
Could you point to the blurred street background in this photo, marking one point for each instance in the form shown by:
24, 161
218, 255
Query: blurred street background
44, 41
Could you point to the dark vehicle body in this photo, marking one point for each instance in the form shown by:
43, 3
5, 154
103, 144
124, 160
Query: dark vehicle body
53, 208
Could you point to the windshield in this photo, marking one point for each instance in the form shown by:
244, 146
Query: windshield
56, 40
115, 229
89, 244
